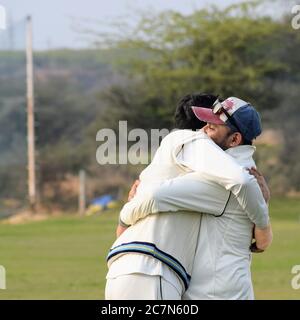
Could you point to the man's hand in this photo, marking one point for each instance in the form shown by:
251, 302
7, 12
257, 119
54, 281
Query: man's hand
254, 249
262, 183
132, 191
263, 239
120, 230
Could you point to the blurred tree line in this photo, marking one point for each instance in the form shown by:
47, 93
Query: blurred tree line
139, 76
241, 50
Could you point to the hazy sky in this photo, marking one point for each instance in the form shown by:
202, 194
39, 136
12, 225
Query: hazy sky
52, 20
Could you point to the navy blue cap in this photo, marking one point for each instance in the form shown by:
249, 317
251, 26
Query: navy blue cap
246, 118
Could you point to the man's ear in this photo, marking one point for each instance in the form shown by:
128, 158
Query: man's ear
235, 139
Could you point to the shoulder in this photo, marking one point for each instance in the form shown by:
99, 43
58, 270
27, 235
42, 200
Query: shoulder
177, 136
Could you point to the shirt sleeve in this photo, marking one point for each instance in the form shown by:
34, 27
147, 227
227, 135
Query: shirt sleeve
197, 191
188, 193
214, 165
251, 199
217, 166
183, 193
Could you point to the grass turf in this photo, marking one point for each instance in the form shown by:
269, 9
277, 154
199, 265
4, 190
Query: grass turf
64, 258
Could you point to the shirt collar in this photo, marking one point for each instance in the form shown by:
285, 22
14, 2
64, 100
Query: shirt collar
242, 153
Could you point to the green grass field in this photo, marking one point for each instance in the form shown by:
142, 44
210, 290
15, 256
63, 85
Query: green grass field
64, 258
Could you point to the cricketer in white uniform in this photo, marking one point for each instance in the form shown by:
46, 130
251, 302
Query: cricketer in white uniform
155, 257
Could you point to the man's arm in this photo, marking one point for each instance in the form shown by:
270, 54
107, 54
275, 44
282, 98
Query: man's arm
186, 193
120, 229
190, 193
262, 183
173, 195
213, 165
263, 238
132, 191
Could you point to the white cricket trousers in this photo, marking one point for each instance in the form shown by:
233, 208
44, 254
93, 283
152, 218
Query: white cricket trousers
139, 286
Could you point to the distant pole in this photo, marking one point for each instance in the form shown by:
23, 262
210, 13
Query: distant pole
82, 192
30, 117
120, 194
11, 33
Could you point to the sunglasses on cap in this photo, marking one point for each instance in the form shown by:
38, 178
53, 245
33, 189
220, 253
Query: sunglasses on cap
218, 108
